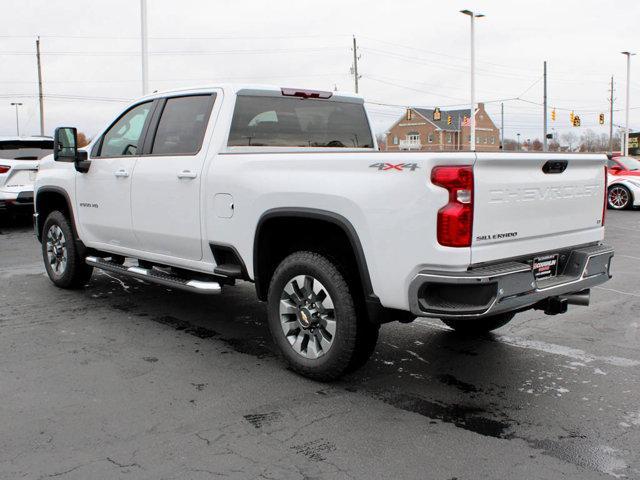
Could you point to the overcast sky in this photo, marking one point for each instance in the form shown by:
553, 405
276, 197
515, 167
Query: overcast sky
412, 53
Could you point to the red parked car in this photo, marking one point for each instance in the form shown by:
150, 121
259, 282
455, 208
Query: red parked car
624, 182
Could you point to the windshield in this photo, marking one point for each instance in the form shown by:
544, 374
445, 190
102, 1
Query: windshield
298, 122
25, 149
629, 163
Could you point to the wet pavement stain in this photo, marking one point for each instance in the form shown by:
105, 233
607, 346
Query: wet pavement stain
452, 381
181, 325
150, 359
260, 420
470, 418
599, 458
315, 449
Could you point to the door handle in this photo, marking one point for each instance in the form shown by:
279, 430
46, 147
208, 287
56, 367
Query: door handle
121, 173
187, 174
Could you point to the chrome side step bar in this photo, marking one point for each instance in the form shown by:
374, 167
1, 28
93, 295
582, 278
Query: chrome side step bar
155, 276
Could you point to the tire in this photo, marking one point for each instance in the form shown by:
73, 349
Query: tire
314, 318
619, 197
61, 259
478, 326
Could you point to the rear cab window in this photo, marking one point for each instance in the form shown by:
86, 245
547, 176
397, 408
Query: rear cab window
25, 149
274, 120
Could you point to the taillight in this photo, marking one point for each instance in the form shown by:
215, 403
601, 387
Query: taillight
4, 168
455, 219
606, 194
292, 92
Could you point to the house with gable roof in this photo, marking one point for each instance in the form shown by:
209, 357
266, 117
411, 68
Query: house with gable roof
442, 130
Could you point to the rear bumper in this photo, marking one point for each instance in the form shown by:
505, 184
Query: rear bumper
505, 287
10, 200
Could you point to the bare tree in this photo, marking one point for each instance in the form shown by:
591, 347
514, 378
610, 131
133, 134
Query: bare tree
509, 145
569, 138
536, 145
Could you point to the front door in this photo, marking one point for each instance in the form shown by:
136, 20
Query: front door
165, 195
103, 194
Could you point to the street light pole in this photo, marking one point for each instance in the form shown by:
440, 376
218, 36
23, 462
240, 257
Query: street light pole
626, 109
472, 113
17, 104
144, 52
518, 135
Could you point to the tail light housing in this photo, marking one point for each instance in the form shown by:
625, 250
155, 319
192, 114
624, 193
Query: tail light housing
4, 168
455, 219
606, 194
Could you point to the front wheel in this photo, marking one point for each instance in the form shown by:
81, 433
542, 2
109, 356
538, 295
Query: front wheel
314, 318
61, 259
478, 326
619, 197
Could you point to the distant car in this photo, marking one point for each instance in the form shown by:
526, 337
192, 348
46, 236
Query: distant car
624, 183
19, 158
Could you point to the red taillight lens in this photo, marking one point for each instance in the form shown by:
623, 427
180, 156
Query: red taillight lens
4, 168
455, 219
606, 194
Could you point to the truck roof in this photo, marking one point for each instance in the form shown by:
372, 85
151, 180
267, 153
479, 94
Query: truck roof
30, 138
234, 88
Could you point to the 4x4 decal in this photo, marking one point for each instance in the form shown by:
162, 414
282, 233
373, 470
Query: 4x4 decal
394, 166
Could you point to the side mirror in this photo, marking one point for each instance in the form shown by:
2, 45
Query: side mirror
65, 148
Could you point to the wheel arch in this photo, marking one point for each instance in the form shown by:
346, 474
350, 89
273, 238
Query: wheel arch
262, 269
49, 199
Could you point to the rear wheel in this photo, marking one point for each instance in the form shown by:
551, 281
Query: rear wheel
61, 259
619, 197
478, 326
314, 319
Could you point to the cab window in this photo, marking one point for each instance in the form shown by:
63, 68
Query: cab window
123, 138
182, 125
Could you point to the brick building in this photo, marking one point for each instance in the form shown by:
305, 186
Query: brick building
442, 130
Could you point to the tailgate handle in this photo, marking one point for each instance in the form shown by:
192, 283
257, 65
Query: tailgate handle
555, 166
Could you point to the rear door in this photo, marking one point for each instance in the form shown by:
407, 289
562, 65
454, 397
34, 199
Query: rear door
527, 203
165, 201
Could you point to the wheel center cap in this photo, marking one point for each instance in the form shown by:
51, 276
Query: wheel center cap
304, 318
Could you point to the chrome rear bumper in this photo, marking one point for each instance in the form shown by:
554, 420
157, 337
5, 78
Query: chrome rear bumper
505, 287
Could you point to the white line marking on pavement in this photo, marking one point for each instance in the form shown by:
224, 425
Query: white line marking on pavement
618, 291
574, 353
124, 285
627, 256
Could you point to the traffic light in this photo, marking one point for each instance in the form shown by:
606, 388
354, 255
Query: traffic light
437, 115
449, 119
576, 120
553, 114
601, 119
572, 118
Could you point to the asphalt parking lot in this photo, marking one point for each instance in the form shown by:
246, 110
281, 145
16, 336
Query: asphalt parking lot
128, 380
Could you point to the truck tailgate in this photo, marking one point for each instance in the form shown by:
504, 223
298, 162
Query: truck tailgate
526, 203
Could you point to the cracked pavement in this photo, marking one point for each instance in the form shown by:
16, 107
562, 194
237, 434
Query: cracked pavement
127, 380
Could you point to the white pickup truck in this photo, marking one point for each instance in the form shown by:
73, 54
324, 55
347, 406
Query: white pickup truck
197, 189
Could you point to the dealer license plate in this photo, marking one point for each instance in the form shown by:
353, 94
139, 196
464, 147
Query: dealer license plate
545, 267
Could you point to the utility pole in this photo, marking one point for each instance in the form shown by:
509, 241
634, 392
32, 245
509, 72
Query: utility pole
611, 117
625, 151
472, 113
144, 52
40, 95
518, 135
17, 104
354, 68
502, 126
545, 147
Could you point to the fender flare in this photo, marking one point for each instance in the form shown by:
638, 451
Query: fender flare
318, 214
39, 221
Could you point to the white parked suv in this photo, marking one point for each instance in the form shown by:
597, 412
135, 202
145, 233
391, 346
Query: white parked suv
19, 158
197, 189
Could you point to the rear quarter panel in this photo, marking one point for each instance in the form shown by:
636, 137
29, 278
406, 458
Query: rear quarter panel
392, 210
